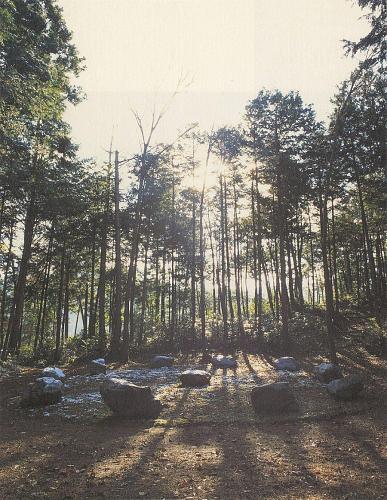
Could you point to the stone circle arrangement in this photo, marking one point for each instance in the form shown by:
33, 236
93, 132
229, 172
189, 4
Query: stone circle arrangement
124, 398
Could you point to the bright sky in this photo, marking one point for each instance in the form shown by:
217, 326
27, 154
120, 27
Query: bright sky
136, 49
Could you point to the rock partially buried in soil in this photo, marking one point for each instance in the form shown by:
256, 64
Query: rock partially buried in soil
195, 378
54, 372
327, 372
97, 366
161, 361
273, 398
287, 363
346, 388
44, 391
221, 361
130, 400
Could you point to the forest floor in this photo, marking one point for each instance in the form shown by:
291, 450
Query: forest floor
206, 444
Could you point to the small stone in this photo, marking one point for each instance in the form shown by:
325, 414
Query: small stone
221, 361
346, 388
195, 378
287, 363
273, 398
97, 366
327, 372
54, 372
161, 361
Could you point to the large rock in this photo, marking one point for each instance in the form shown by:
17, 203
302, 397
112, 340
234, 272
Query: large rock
127, 399
44, 391
327, 372
195, 378
346, 388
97, 366
53, 372
221, 361
287, 363
273, 398
161, 361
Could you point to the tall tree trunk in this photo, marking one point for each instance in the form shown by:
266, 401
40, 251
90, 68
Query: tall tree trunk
5, 285
259, 252
237, 264
163, 285
102, 273
193, 255
144, 290
227, 242
116, 320
59, 306
368, 244
327, 277
157, 283
222, 290
14, 325
282, 214
334, 257
255, 256
312, 262
66, 309
93, 304
86, 311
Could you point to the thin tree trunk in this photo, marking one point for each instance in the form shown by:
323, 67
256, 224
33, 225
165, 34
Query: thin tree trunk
144, 290
116, 320
327, 277
5, 285
59, 305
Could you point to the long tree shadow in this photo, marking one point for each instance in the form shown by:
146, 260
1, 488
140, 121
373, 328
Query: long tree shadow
267, 359
253, 372
96, 444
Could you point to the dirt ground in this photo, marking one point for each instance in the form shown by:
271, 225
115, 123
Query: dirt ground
206, 444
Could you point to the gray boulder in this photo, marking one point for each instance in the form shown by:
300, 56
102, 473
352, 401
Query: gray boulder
195, 378
327, 372
346, 388
221, 361
54, 372
44, 391
161, 361
287, 363
273, 398
97, 366
130, 400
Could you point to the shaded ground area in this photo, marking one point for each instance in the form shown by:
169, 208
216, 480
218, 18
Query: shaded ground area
207, 443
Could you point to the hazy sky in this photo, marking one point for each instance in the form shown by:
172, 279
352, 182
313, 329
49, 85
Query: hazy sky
136, 49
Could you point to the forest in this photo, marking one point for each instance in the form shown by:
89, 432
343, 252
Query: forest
198, 317
231, 236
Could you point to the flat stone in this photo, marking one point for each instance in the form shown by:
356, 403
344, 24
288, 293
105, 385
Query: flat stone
346, 388
130, 400
287, 363
221, 361
327, 372
54, 372
195, 378
161, 361
44, 391
273, 398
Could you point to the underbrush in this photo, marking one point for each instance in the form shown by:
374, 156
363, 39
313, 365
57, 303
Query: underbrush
307, 336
